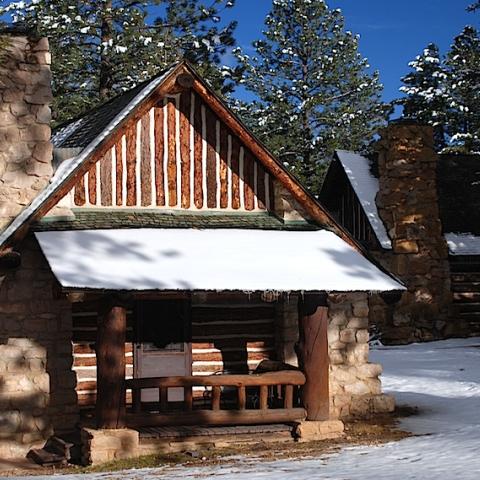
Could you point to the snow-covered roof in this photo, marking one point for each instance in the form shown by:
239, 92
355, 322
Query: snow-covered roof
70, 166
365, 185
463, 243
214, 259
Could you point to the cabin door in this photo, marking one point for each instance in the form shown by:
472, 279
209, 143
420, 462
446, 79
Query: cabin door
162, 346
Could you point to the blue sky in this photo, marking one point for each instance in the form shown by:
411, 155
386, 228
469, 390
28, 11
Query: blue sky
392, 32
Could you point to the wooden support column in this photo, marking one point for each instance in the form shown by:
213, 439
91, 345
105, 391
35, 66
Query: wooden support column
110, 350
312, 351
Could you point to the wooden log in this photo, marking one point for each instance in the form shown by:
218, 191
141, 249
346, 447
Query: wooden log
218, 417
288, 396
163, 398
313, 355
137, 401
185, 147
211, 123
198, 145
131, 140
242, 398
92, 184
216, 398
110, 349
188, 399
185, 80
172, 156
106, 179
145, 165
79, 194
159, 153
263, 403
223, 166
271, 191
119, 171
260, 186
248, 188
235, 162
284, 377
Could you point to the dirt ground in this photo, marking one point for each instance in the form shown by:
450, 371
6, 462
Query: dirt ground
377, 430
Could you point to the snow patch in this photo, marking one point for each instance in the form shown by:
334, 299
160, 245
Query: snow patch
463, 243
366, 188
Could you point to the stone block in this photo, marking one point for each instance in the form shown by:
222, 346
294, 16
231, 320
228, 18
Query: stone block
360, 309
357, 323
347, 335
383, 403
100, 446
405, 246
308, 430
369, 370
362, 336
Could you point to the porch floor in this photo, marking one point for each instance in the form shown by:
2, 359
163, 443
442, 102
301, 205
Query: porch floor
184, 438
193, 431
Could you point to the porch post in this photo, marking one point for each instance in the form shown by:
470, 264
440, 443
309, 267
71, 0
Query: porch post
312, 351
110, 350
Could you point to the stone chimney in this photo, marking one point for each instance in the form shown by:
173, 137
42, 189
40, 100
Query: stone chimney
25, 148
408, 204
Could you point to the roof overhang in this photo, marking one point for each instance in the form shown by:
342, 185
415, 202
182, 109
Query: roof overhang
209, 260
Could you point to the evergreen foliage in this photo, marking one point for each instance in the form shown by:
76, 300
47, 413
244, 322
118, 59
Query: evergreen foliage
445, 93
103, 47
425, 89
313, 88
463, 65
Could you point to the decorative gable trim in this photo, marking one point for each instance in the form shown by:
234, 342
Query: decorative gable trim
142, 103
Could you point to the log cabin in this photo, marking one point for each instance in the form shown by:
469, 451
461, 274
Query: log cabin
163, 276
418, 213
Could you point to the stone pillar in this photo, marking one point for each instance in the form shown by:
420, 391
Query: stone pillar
25, 148
408, 205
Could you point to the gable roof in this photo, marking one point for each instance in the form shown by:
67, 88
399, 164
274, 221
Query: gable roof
365, 185
458, 179
91, 131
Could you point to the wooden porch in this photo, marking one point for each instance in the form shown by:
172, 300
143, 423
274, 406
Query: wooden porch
260, 398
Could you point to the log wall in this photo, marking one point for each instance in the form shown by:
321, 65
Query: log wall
179, 155
84, 317
233, 334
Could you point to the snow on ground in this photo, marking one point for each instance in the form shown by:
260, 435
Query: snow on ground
442, 379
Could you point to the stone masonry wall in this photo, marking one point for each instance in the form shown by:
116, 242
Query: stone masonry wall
408, 205
25, 148
355, 389
37, 384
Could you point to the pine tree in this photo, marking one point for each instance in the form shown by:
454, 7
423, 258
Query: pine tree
103, 47
463, 64
425, 92
314, 92
474, 6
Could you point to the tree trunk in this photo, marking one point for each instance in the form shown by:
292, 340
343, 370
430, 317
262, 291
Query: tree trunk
110, 350
106, 70
312, 351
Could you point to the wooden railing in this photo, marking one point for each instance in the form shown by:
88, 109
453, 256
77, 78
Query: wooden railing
271, 397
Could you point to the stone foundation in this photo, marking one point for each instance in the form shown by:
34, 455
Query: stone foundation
37, 384
100, 446
355, 388
309, 431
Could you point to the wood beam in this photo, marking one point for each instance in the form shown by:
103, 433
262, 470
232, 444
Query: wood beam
110, 350
312, 351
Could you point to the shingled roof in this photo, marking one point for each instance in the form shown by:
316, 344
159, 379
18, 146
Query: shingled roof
79, 132
458, 180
